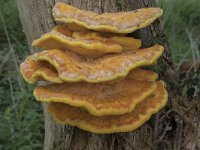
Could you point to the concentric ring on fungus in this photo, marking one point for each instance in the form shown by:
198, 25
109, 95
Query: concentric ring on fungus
66, 114
120, 22
102, 99
88, 43
72, 68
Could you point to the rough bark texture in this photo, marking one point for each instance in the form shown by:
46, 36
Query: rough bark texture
37, 19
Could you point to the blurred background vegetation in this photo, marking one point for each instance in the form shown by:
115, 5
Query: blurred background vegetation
21, 117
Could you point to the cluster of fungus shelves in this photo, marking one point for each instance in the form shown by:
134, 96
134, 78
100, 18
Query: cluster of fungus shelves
93, 70
66, 114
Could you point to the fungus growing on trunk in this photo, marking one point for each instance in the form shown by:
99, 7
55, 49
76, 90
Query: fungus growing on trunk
112, 93
120, 22
66, 114
102, 99
88, 43
72, 68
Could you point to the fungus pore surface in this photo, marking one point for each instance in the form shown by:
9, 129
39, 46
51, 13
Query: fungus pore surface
72, 68
88, 43
102, 99
66, 114
120, 22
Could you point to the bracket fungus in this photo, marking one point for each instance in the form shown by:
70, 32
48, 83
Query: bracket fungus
66, 114
120, 22
127, 43
112, 93
102, 99
72, 68
33, 71
88, 43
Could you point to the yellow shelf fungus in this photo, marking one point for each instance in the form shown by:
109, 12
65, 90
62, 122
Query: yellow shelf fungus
111, 92
102, 99
120, 22
33, 71
72, 68
127, 43
141, 74
89, 43
66, 114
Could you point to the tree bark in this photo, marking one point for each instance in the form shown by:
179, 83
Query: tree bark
36, 18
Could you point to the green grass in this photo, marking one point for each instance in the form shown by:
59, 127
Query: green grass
21, 117
182, 23
21, 123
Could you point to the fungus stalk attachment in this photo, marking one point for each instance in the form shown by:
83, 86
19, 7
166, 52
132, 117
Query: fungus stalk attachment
94, 70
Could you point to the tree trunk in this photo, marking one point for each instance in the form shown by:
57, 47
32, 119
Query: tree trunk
36, 18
